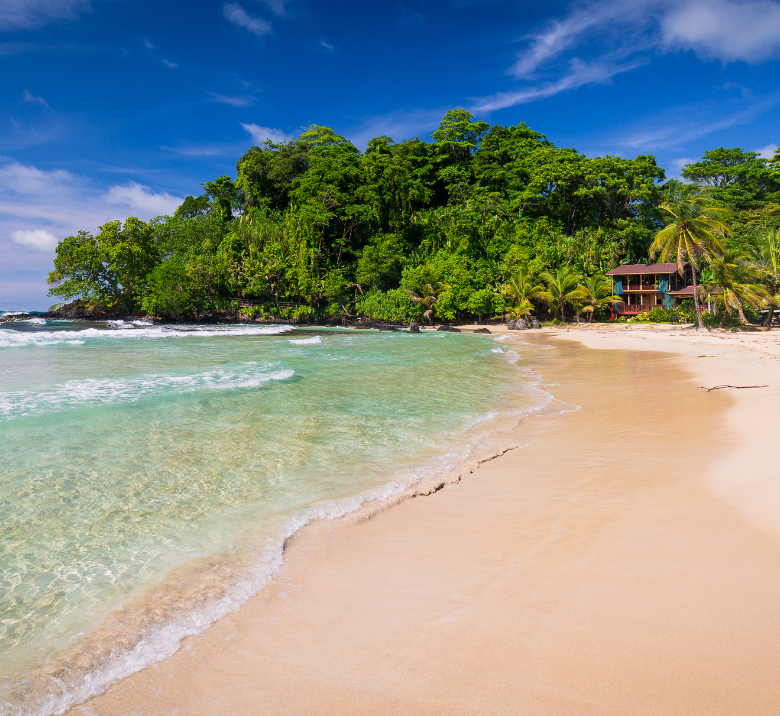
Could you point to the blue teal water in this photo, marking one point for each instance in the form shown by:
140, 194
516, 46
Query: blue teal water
151, 474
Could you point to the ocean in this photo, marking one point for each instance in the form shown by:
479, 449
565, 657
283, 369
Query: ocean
152, 474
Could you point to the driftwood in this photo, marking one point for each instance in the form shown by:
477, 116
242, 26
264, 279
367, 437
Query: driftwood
739, 387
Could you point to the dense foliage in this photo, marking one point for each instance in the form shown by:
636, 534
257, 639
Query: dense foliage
314, 228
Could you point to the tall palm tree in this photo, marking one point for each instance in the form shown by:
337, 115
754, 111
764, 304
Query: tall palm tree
694, 232
597, 292
735, 283
522, 288
563, 287
770, 253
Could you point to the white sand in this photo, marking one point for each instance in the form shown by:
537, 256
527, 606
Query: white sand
626, 562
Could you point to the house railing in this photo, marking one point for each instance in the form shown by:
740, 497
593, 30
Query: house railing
640, 287
626, 310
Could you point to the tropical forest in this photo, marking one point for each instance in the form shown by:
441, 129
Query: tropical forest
483, 223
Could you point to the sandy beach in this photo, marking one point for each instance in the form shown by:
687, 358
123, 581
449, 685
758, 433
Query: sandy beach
625, 562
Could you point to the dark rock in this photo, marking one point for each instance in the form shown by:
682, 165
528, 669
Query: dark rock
535, 324
414, 328
511, 325
482, 330
521, 324
451, 329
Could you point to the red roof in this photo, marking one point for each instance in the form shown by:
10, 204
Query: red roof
683, 292
644, 269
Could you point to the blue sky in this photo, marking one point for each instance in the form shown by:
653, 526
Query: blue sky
112, 108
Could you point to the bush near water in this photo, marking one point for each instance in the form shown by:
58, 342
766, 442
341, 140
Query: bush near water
312, 228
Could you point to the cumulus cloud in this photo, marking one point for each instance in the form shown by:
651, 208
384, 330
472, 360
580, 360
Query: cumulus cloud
724, 29
36, 205
767, 152
32, 99
141, 199
618, 36
236, 14
28, 14
36, 238
261, 134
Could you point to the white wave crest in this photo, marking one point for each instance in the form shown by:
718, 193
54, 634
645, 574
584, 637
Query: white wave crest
306, 341
17, 339
82, 393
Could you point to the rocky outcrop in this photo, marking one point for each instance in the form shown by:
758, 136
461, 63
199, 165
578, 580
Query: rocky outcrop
451, 329
510, 326
482, 330
535, 324
414, 328
80, 309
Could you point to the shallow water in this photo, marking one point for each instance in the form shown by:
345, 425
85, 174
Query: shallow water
151, 474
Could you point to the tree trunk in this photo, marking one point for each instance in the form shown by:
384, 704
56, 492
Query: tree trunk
696, 297
744, 321
723, 318
770, 314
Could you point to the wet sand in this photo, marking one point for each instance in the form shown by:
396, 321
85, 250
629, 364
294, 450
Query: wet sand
626, 562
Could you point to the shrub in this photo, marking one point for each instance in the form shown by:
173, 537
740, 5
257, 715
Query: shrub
394, 306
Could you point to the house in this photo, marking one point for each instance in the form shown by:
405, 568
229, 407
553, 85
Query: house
645, 286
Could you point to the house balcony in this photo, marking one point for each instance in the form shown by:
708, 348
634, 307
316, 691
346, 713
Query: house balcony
646, 287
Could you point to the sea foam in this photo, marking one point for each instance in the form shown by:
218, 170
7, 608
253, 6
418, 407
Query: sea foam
16, 339
92, 392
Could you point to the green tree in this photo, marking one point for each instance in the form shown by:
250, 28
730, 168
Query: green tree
735, 283
563, 289
739, 179
110, 268
596, 293
522, 289
693, 233
770, 254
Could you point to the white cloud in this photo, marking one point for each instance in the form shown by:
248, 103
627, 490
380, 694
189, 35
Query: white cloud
238, 16
27, 14
629, 32
233, 100
170, 64
149, 45
326, 46
141, 199
59, 204
580, 74
276, 6
36, 238
32, 99
261, 134
724, 29
677, 165
767, 152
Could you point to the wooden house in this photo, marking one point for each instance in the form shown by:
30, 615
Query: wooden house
645, 286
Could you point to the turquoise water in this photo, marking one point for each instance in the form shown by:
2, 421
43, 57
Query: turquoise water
150, 475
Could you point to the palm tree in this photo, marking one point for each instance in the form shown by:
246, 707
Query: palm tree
693, 232
563, 287
597, 292
522, 288
735, 283
426, 295
770, 253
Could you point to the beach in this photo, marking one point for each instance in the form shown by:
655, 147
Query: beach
625, 561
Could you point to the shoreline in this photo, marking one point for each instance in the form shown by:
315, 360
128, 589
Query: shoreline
311, 558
